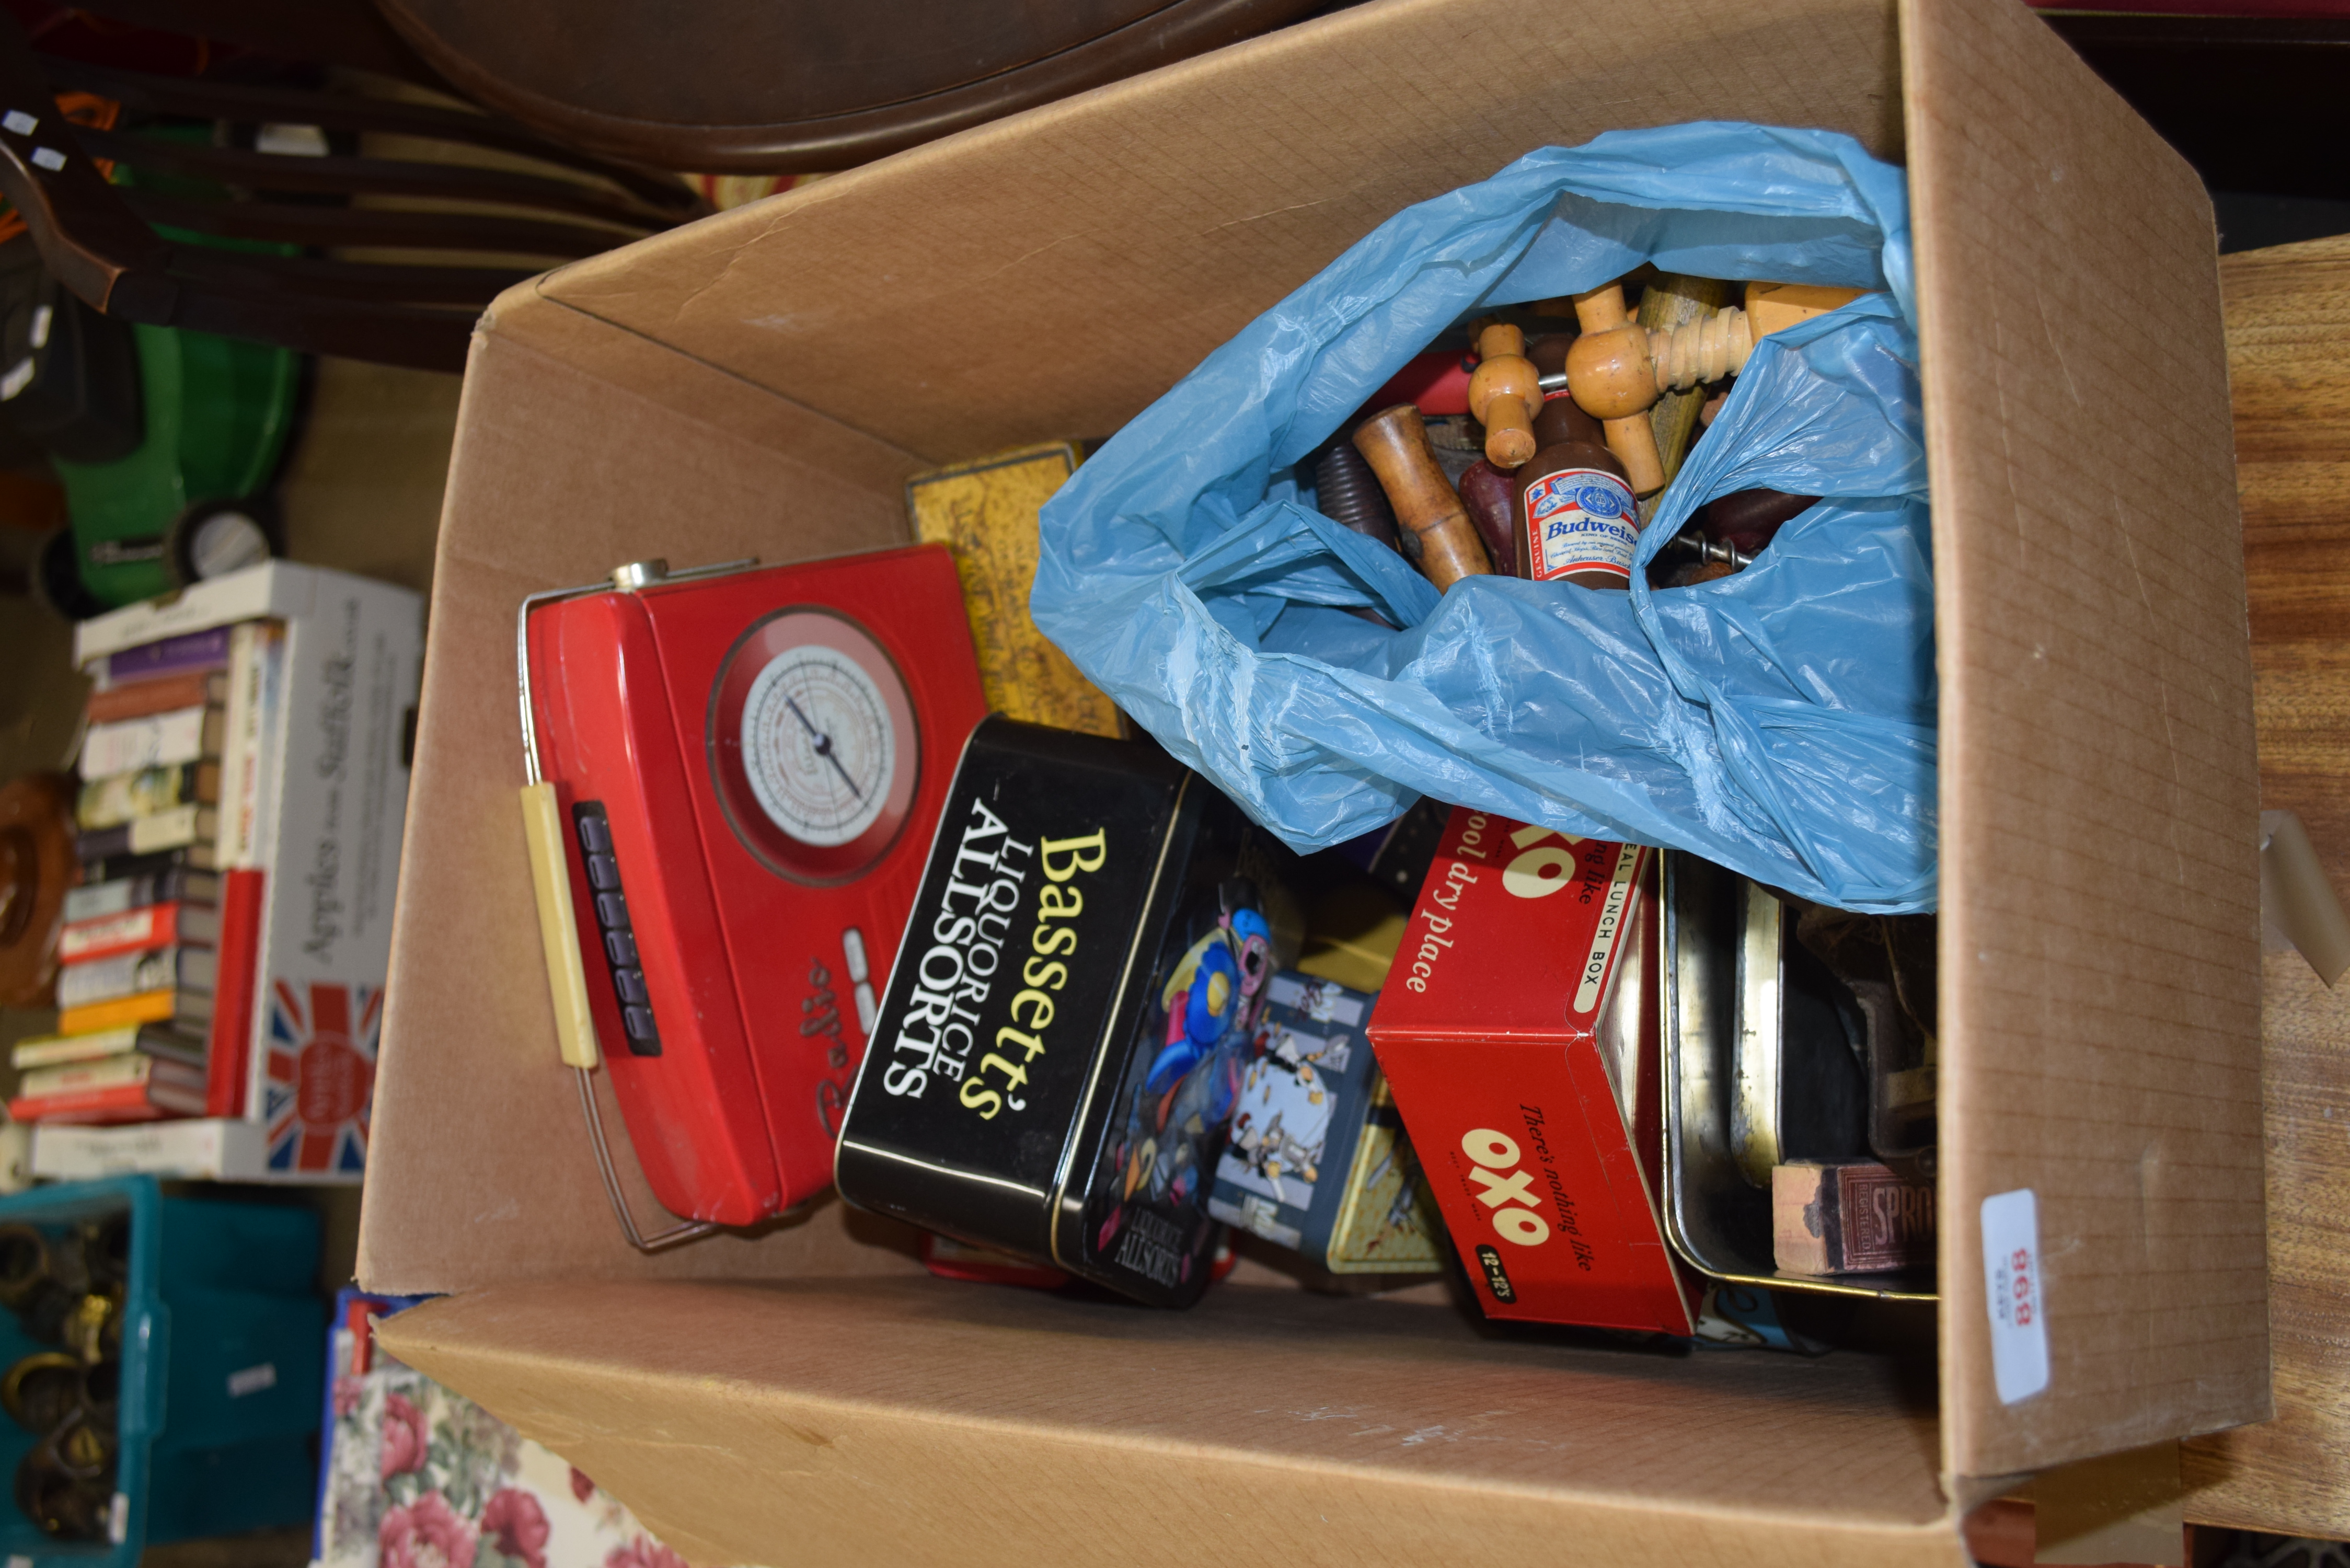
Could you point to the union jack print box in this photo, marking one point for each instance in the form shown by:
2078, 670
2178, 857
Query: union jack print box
320, 1074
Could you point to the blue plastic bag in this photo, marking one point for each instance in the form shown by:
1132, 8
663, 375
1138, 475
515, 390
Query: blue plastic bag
1781, 722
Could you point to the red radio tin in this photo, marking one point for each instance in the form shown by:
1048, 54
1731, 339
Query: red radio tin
736, 774
1518, 1032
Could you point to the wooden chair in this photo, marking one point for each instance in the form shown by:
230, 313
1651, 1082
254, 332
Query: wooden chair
779, 87
229, 239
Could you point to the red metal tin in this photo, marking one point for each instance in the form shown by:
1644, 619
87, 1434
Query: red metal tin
1518, 1031
751, 767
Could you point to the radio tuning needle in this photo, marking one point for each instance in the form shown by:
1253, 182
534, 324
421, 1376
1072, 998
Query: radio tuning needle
824, 748
826, 752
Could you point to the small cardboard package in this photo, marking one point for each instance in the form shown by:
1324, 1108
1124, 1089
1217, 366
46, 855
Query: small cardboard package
764, 383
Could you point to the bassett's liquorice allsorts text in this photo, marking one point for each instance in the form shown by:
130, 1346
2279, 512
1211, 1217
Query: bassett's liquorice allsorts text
939, 1034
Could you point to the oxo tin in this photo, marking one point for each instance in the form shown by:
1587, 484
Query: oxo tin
1518, 1031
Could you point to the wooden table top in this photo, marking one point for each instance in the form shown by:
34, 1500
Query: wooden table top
2288, 319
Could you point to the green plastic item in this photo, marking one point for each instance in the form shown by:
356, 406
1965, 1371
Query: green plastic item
217, 413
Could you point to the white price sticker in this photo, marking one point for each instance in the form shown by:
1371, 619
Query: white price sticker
251, 1380
2011, 1290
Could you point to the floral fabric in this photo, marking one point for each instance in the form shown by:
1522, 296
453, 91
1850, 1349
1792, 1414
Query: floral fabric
419, 1476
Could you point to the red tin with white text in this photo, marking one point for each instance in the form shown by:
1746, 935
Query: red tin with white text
1518, 1031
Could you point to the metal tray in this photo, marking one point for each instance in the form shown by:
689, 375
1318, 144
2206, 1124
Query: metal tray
1734, 1000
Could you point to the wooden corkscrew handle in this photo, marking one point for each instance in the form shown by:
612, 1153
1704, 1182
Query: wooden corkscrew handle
1610, 375
1705, 349
1394, 441
1504, 395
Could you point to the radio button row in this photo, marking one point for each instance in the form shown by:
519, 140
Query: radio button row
603, 869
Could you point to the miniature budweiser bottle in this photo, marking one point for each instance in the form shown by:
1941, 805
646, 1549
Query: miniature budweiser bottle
1575, 515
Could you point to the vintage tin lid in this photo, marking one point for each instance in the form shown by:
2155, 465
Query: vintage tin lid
1012, 976
1050, 1070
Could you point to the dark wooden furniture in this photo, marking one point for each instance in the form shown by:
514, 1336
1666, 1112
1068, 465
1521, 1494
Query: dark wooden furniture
799, 86
438, 233
2256, 103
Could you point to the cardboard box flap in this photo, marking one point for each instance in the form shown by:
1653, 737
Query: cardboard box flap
1047, 275
914, 1422
689, 390
2100, 984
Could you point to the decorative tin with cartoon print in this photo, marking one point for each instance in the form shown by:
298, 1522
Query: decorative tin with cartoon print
1317, 1162
1073, 1010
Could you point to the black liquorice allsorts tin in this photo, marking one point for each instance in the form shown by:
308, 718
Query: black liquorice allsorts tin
1071, 1014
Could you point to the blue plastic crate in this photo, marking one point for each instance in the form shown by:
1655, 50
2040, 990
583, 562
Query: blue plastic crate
221, 1372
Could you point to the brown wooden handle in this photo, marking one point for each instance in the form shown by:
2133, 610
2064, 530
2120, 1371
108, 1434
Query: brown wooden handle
1500, 340
1704, 348
1504, 395
1599, 309
1394, 441
1773, 305
1634, 442
1509, 421
1609, 373
1673, 301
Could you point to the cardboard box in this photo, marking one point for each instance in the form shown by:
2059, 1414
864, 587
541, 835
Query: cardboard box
766, 381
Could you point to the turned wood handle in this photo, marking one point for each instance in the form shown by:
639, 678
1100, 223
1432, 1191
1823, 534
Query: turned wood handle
1394, 441
1634, 442
1610, 374
1617, 370
1704, 348
1673, 301
1504, 395
1599, 309
1611, 378
1620, 369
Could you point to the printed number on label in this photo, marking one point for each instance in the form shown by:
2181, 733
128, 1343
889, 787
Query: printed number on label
1498, 1152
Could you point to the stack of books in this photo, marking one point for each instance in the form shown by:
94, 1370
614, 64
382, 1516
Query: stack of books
157, 954
246, 775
